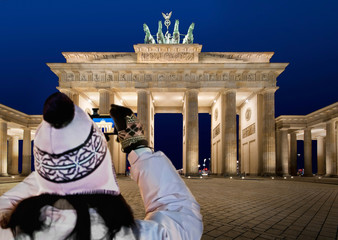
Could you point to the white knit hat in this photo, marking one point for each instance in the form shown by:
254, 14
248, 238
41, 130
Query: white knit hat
74, 159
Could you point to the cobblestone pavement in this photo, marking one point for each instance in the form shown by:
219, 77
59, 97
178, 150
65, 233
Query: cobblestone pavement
255, 208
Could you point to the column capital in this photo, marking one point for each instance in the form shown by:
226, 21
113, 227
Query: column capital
307, 128
269, 90
139, 90
294, 132
192, 90
103, 90
64, 90
229, 90
320, 137
332, 120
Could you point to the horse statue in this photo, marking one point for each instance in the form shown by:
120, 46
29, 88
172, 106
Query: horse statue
176, 34
148, 39
189, 38
159, 35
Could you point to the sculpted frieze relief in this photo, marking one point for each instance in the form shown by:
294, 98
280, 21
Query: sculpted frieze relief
166, 53
238, 77
172, 77
251, 77
96, 77
167, 76
246, 132
125, 77
265, 77
167, 48
83, 77
70, 77
109, 77
136, 77
225, 76
213, 77
216, 131
167, 57
147, 77
161, 77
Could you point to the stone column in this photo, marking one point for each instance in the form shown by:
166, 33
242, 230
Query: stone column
67, 92
143, 111
76, 99
229, 132
307, 153
13, 161
26, 152
279, 167
293, 153
191, 132
3, 147
320, 155
269, 147
330, 149
284, 152
239, 144
105, 101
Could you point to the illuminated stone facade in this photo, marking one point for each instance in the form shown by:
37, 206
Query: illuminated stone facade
179, 78
321, 125
15, 126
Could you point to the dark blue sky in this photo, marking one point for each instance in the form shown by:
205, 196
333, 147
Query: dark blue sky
303, 33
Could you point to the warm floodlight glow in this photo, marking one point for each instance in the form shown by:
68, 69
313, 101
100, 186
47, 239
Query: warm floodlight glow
188, 176
230, 177
292, 177
284, 177
272, 178
201, 177
243, 177
13, 177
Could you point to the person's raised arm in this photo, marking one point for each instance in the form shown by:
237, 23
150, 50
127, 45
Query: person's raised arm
166, 198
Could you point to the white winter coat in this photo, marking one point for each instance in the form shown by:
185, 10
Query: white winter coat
171, 210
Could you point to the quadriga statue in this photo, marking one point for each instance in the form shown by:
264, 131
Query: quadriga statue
176, 34
189, 38
148, 38
159, 35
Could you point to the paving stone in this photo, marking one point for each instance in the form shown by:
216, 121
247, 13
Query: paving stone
207, 237
215, 233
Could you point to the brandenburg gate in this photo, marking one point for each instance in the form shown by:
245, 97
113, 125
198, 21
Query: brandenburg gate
179, 78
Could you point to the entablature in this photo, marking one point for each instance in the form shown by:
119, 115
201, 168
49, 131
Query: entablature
167, 75
19, 118
312, 120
